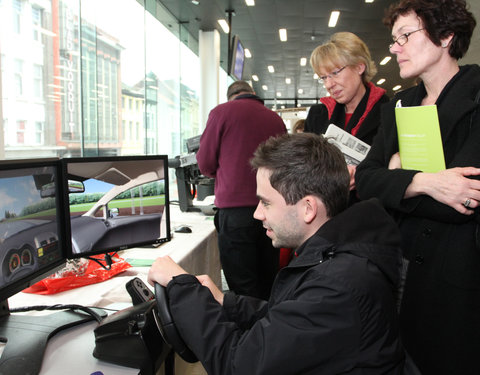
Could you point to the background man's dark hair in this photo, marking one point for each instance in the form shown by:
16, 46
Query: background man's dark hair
237, 87
304, 164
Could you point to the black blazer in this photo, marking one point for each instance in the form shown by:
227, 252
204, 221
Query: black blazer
440, 314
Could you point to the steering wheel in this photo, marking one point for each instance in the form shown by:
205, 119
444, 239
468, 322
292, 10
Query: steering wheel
167, 326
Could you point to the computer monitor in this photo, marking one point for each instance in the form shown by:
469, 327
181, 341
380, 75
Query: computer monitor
116, 203
32, 247
237, 58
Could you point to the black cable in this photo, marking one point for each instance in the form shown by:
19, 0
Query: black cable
108, 261
73, 307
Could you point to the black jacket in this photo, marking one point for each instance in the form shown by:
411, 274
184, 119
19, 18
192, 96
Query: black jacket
440, 315
332, 309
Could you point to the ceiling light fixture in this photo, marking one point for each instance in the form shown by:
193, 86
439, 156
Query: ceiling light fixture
265, 87
398, 87
315, 76
224, 25
283, 34
288, 81
248, 54
279, 93
300, 91
250, 3
271, 69
385, 60
332, 22
255, 77
195, 2
380, 81
303, 61
369, 1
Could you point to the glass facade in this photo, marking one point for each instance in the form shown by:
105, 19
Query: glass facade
95, 78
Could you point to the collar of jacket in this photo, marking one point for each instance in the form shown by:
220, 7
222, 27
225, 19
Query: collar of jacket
377, 239
456, 100
375, 94
249, 96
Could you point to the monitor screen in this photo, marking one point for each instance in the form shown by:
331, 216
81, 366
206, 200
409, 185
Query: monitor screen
116, 203
31, 230
238, 58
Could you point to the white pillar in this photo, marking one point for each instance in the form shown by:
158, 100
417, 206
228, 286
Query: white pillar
209, 51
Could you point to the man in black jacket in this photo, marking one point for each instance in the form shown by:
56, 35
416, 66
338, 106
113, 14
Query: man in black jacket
332, 309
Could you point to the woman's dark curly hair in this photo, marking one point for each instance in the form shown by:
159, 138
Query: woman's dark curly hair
440, 19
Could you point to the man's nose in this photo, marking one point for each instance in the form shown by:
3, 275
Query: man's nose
258, 214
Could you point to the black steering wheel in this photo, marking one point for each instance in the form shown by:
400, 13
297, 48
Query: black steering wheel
167, 326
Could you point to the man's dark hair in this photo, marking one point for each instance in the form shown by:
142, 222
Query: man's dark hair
305, 164
237, 87
440, 19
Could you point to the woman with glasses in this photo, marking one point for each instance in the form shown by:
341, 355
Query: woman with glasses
345, 67
438, 213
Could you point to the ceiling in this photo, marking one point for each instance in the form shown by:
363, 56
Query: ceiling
306, 23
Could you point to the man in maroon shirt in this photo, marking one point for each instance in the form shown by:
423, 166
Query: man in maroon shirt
233, 132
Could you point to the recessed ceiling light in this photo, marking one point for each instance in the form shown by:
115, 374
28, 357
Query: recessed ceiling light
288, 81
279, 93
303, 61
385, 60
265, 87
369, 1
380, 81
333, 18
195, 2
271, 69
224, 25
283, 34
398, 87
300, 91
248, 54
315, 76
250, 3
255, 77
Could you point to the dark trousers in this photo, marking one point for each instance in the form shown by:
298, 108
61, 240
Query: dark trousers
249, 261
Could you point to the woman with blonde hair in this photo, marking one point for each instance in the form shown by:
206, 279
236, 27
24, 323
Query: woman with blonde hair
345, 67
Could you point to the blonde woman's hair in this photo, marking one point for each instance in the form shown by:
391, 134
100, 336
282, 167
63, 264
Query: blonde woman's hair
342, 49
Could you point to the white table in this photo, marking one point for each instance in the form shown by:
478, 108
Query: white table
70, 351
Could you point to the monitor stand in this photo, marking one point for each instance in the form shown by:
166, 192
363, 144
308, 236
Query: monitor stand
26, 337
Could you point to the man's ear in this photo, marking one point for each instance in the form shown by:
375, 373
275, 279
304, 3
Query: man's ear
310, 208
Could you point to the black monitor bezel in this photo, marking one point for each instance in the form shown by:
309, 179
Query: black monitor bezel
66, 161
8, 290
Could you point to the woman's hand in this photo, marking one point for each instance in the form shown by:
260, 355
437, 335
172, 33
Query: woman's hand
163, 270
395, 162
450, 186
205, 280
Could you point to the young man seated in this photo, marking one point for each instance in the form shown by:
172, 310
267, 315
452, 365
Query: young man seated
332, 309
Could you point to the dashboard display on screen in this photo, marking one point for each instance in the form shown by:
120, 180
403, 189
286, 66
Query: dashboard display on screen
30, 224
116, 203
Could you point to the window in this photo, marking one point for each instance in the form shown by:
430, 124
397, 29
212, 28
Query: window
36, 23
20, 132
105, 85
18, 77
17, 15
38, 81
39, 133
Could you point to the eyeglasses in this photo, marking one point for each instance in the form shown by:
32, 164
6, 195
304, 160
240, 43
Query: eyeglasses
332, 74
402, 39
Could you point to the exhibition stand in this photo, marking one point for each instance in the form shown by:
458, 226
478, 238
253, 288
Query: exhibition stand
70, 351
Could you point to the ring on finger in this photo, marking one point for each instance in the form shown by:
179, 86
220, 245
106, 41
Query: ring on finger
467, 202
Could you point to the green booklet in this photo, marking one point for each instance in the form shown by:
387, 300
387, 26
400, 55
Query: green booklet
419, 138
